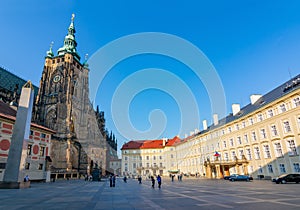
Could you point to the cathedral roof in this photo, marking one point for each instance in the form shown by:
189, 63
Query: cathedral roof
9, 82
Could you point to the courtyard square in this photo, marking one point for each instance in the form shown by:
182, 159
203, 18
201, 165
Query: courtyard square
191, 193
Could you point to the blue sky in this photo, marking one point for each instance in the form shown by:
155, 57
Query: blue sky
254, 46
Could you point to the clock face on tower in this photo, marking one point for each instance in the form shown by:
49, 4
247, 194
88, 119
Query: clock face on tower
56, 78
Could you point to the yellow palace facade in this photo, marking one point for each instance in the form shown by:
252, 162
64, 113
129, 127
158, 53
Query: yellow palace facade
261, 139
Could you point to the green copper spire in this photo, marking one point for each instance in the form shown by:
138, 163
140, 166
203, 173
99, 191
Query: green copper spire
70, 43
50, 52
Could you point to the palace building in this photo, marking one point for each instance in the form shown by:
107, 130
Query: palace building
39, 145
260, 139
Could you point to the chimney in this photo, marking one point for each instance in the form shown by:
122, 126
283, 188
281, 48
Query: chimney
216, 121
236, 108
204, 125
254, 98
196, 130
165, 140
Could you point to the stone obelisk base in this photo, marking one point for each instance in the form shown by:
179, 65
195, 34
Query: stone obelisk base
14, 185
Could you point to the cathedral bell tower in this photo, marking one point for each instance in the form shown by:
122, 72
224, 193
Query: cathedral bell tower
62, 99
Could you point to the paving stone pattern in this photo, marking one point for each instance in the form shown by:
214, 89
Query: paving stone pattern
188, 194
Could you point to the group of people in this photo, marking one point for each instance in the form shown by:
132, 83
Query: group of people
112, 180
88, 177
158, 178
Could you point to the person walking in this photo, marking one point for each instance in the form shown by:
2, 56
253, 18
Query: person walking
140, 179
153, 181
110, 180
172, 177
26, 178
114, 180
125, 179
158, 181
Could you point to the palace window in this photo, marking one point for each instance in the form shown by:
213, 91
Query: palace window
147, 157
260, 170
263, 133
260, 117
251, 121
237, 127
133, 165
282, 168
231, 142
278, 149
256, 153
229, 129
246, 138
241, 153
125, 157
297, 101
160, 165
233, 155
243, 124
42, 151
267, 153
270, 168
172, 156
239, 140
160, 157
40, 166
224, 144
248, 153
296, 167
27, 166
274, 130
253, 134
298, 121
286, 126
270, 113
43, 135
282, 108
154, 158
292, 150
226, 156
29, 149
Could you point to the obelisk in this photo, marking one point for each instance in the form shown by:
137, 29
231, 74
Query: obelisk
15, 165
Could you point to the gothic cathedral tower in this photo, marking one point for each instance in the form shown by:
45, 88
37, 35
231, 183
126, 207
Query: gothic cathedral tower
63, 105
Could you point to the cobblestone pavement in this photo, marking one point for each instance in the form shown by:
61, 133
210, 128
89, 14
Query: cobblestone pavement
188, 194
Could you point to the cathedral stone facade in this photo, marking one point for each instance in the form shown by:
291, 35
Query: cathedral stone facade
63, 105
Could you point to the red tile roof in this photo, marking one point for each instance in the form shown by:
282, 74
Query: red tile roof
150, 144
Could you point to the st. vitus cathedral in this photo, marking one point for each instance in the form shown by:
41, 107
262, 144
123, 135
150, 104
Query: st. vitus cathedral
81, 141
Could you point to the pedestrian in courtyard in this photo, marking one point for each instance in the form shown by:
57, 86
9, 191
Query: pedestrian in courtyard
172, 177
153, 181
26, 178
158, 181
125, 179
114, 180
110, 180
140, 179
